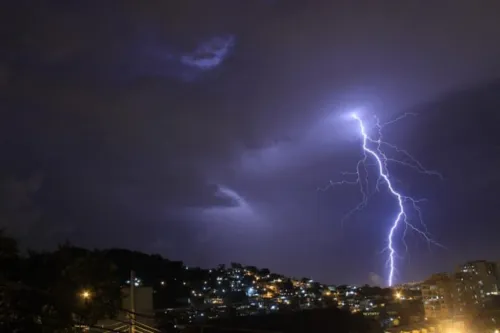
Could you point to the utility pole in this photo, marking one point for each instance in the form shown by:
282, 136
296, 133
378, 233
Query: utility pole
132, 302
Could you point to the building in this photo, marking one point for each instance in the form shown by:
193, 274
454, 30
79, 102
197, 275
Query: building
144, 318
437, 296
475, 283
484, 274
143, 301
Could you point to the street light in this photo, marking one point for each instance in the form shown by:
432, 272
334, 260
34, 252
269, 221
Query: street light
85, 294
398, 295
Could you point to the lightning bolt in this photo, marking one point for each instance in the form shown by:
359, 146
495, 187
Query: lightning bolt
374, 148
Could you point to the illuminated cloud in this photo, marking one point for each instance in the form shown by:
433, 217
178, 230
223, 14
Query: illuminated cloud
317, 140
210, 53
224, 192
232, 210
239, 212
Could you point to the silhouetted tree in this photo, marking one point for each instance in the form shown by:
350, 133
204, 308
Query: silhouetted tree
51, 292
252, 269
235, 265
8, 246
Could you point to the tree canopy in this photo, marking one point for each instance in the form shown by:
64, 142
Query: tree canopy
54, 291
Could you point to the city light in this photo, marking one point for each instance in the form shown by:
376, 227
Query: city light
85, 294
267, 293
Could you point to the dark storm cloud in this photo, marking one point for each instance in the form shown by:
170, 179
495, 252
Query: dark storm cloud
17, 209
125, 131
119, 41
141, 114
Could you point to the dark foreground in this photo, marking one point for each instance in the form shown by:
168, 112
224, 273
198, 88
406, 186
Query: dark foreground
317, 321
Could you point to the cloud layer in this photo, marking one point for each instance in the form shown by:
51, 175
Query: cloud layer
163, 126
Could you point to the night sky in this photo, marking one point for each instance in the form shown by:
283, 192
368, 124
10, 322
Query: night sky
201, 130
